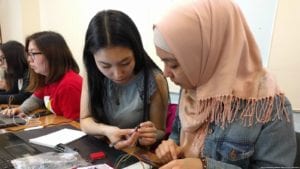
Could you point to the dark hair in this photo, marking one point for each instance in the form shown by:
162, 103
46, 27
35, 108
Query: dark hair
15, 56
109, 28
56, 51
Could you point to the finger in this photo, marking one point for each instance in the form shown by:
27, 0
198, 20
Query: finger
163, 152
160, 152
173, 152
22, 115
133, 139
125, 132
12, 113
150, 135
121, 145
9, 112
147, 129
172, 155
2, 112
147, 124
147, 141
130, 141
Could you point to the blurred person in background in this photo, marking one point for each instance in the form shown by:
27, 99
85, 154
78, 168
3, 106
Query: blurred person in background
14, 77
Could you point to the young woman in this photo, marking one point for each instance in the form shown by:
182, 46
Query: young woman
231, 112
54, 77
123, 87
14, 69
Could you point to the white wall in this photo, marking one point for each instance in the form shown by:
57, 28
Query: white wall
11, 20
285, 61
18, 18
72, 20
260, 15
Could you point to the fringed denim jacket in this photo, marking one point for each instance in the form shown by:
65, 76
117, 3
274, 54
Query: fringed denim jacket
260, 145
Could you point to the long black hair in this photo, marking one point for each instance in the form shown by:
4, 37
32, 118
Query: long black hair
109, 28
15, 56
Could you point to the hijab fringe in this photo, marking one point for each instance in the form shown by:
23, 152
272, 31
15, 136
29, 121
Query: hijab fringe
225, 109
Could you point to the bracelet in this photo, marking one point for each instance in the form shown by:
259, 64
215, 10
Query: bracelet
204, 162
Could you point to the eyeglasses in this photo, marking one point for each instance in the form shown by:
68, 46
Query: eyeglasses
33, 54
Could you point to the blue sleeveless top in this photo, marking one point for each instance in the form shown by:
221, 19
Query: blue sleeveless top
124, 107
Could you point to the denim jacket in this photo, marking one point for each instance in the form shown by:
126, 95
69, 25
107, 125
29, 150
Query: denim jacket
268, 145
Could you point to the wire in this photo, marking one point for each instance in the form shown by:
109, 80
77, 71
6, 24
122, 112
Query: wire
141, 158
47, 125
10, 100
123, 158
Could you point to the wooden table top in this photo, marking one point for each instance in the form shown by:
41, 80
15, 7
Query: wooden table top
53, 120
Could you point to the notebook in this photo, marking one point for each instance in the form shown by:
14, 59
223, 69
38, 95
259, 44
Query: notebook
11, 121
12, 147
62, 136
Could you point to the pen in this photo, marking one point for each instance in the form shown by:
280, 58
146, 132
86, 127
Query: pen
33, 128
116, 142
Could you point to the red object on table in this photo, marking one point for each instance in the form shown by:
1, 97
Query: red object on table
97, 155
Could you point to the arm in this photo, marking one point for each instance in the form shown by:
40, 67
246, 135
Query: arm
30, 104
169, 150
155, 130
87, 122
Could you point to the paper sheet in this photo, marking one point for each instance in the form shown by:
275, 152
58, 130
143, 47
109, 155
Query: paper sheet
63, 136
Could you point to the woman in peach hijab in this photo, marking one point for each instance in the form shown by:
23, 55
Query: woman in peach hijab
231, 112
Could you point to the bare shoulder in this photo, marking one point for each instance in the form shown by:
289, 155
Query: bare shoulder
160, 79
162, 85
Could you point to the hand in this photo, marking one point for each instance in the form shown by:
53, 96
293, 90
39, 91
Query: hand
9, 112
186, 163
148, 133
122, 138
167, 151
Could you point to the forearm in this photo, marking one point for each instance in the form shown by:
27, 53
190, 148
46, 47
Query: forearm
89, 126
32, 103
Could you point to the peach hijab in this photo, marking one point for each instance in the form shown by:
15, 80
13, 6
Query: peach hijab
215, 48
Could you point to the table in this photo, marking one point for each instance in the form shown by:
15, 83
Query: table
53, 120
45, 121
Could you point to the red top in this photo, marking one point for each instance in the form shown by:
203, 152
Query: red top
63, 96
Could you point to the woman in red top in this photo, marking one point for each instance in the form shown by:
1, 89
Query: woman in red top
54, 77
